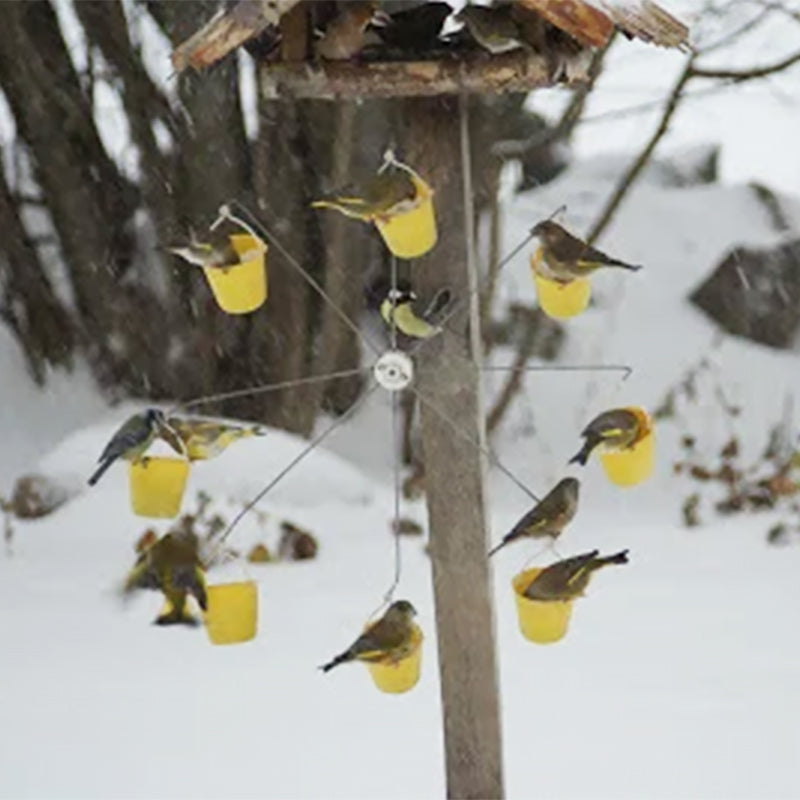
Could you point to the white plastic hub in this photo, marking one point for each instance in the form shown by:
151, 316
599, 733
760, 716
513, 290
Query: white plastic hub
394, 370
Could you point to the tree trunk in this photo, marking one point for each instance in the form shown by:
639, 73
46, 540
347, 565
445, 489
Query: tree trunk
448, 380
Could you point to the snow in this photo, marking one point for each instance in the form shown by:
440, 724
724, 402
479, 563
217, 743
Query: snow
678, 677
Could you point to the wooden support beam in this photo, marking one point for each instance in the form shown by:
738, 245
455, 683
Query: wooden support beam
450, 380
518, 71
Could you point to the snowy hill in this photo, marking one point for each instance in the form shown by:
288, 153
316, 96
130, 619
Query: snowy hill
677, 678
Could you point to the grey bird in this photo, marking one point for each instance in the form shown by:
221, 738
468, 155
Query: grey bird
566, 257
549, 517
388, 638
131, 440
568, 579
619, 428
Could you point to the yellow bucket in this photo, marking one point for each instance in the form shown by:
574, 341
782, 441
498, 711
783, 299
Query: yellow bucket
241, 288
232, 614
412, 233
562, 300
636, 463
540, 621
399, 677
156, 485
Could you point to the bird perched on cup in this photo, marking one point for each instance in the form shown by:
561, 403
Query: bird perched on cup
492, 27
205, 439
345, 35
388, 639
133, 438
399, 306
563, 257
618, 428
547, 518
388, 192
214, 250
568, 578
415, 29
172, 566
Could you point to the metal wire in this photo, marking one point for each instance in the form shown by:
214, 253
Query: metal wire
264, 388
295, 461
566, 368
398, 561
464, 435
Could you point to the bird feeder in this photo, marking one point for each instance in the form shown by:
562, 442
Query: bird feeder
634, 464
540, 621
411, 232
232, 614
241, 288
560, 300
401, 675
157, 484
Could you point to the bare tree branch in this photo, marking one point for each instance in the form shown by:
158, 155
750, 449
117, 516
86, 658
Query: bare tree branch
741, 75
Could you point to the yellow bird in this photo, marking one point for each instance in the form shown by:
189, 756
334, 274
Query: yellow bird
172, 566
387, 193
205, 439
568, 579
398, 305
388, 639
618, 428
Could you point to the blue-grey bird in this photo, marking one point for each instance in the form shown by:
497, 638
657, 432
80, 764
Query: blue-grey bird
568, 578
549, 517
388, 638
131, 440
618, 428
566, 257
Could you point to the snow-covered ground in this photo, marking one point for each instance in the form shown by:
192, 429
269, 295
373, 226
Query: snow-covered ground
678, 675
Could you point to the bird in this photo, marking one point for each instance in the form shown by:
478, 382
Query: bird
565, 257
618, 428
568, 578
388, 639
172, 566
548, 517
415, 29
215, 250
493, 28
386, 193
204, 438
132, 439
344, 36
398, 305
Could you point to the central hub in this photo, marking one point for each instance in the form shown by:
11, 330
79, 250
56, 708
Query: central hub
394, 370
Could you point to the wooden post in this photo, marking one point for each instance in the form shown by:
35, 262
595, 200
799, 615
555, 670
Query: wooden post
450, 380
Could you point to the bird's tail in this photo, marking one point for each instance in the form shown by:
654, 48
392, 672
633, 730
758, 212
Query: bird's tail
506, 540
624, 265
100, 471
582, 456
617, 558
340, 659
349, 206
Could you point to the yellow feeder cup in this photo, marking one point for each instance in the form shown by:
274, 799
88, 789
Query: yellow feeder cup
543, 622
157, 484
411, 233
634, 464
402, 675
232, 615
241, 288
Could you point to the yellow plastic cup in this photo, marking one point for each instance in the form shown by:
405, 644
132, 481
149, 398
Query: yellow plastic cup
562, 300
157, 484
543, 622
412, 233
632, 465
399, 677
232, 615
241, 288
